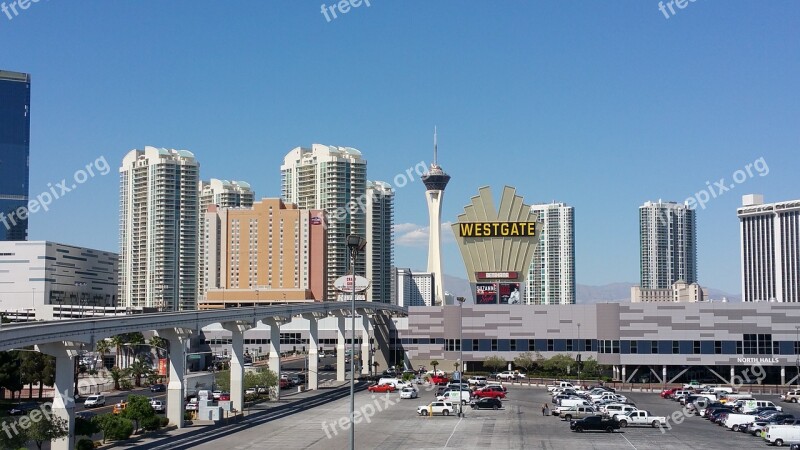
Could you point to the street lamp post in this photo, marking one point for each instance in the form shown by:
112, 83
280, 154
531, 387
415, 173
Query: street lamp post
355, 244
461, 364
797, 350
578, 358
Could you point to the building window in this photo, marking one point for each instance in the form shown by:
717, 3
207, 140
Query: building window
739, 349
776, 348
494, 345
696, 347
512, 345
797, 348
676, 347
717, 347
587, 345
654, 347
764, 344
475, 346
750, 344
569, 345
634, 347
550, 345
532, 345
615, 347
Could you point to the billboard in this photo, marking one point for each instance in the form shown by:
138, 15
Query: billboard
485, 293
509, 294
162, 367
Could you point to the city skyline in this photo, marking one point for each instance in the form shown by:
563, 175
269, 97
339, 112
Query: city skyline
662, 104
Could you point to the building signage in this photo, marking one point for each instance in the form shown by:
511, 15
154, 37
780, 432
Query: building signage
757, 360
496, 229
496, 275
509, 294
486, 293
316, 220
349, 283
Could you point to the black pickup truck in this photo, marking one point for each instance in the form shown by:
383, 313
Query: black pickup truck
598, 423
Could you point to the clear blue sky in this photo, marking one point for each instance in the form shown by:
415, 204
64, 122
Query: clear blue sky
602, 105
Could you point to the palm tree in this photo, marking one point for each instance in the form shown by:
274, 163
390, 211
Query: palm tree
102, 346
116, 374
160, 344
134, 339
138, 369
117, 341
434, 363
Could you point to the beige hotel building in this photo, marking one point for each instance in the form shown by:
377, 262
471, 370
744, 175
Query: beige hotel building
272, 252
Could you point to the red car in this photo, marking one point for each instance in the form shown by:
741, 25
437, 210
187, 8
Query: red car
284, 384
489, 392
436, 379
667, 393
381, 388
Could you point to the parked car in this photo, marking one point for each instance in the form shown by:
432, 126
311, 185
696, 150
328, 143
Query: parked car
508, 375
216, 394
327, 368
22, 409
577, 412
489, 391
598, 423
667, 393
477, 381
443, 408
486, 403
158, 388
250, 391
781, 434
640, 417
191, 405
791, 396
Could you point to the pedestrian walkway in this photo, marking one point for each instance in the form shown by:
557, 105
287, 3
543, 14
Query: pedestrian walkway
289, 403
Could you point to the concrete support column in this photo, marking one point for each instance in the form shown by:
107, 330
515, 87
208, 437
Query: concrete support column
237, 364
340, 346
275, 351
365, 359
664, 374
313, 346
783, 375
63, 400
624, 375
733, 374
177, 371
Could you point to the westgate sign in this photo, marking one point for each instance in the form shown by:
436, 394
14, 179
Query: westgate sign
496, 229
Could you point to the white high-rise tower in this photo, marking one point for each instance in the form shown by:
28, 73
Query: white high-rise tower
435, 182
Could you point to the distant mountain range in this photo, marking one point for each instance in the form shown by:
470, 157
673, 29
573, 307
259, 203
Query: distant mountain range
585, 294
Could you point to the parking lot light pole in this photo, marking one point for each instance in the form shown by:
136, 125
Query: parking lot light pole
355, 244
460, 350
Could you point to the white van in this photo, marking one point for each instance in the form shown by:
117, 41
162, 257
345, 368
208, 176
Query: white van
752, 405
736, 421
782, 434
93, 401
393, 381
720, 389
570, 402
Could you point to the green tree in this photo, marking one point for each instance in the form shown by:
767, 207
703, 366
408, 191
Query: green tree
138, 409
151, 423
223, 380
434, 363
495, 363
160, 344
558, 365
102, 347
47, 428
11, 439
525, 361
84, 444
152, 377
138, 369
85, 427
114, 427
118, 341
116, 375
10, 377
267, 378
31, 367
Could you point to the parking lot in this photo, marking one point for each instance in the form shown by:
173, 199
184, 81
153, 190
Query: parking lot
395, 424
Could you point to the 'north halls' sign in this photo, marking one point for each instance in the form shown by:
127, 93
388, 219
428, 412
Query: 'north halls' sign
496, 229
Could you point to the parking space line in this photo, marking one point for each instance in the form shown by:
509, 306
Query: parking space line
454, 432
626, 439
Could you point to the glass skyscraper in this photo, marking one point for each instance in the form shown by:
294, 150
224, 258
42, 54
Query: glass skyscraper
15, 101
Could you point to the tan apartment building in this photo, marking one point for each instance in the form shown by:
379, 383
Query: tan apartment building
272, 252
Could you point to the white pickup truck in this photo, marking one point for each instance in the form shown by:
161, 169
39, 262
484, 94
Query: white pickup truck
639, 417
560, 384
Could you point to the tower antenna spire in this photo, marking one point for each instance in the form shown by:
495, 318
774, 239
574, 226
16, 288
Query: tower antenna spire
435, 148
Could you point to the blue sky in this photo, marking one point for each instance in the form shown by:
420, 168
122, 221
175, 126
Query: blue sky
602, 105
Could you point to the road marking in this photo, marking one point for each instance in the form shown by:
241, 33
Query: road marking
454, 432
629, 442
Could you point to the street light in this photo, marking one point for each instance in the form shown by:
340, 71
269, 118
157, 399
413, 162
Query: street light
355, 244
461, 301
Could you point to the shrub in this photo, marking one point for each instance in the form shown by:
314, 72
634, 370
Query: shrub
187, 415
117, 428
84, 444
164, 422
126, 385
151, 423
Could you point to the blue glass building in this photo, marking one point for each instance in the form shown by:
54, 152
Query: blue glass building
15, 101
